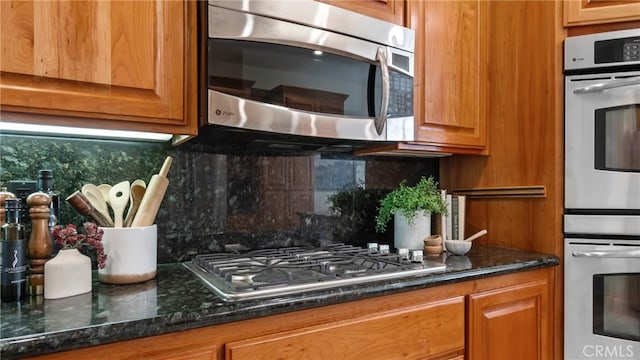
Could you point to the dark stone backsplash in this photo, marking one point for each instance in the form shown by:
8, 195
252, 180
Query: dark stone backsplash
223, 199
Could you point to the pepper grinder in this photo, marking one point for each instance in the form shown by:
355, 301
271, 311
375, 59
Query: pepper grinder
4, 195
39, 248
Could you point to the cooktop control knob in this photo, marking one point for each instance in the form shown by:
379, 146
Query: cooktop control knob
416, 256
384, 249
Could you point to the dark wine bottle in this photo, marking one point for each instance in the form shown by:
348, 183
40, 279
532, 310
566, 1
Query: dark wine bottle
45, 184
13, 258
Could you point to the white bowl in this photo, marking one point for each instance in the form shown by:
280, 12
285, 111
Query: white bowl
458, 247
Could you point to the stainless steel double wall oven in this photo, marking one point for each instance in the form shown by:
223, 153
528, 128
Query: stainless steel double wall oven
602, 196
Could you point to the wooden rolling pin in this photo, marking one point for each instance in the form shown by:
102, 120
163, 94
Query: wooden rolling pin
152, 198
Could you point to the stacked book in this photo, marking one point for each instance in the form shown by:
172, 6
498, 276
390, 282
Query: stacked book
450, 225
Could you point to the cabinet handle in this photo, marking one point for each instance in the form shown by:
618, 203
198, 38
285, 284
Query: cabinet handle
606, 86
381, 119
609, 254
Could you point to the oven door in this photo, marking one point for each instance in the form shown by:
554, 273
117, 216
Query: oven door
602, 141
602, 299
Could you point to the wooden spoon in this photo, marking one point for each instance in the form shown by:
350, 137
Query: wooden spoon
476, 235
138, 188
119, 198
93, 194
104, 189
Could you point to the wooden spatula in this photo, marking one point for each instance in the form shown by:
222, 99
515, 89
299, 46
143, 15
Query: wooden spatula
118, 199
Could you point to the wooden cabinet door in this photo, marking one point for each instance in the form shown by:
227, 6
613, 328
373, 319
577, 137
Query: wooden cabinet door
419, 332
387, 10
121, 60
151, 348
510, 323
288, 190
582, 12
451, 79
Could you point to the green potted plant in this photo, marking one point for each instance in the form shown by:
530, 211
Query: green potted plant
411, 208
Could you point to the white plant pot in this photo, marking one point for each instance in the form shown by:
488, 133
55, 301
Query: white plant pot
410, 236
67, 274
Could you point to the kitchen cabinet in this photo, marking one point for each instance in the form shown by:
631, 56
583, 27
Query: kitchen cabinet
285, 183
451, 79
428, 323
428, 331
288, 190
122, 64
526, 129
387, 10
583, 12
517, 315
308, 99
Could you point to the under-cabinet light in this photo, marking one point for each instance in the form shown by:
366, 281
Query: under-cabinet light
19, 128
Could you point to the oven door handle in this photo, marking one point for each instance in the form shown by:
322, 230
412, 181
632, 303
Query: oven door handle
596, 88
609, 254
381, 119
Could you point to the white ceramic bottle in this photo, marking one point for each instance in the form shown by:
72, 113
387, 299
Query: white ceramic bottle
67, 274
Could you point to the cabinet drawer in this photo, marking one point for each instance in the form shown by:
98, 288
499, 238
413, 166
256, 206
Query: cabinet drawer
416, 332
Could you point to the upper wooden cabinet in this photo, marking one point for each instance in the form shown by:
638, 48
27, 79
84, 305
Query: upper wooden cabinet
583, 12
388, 10
451, 81
116, 60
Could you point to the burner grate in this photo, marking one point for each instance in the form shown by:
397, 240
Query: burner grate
270, 272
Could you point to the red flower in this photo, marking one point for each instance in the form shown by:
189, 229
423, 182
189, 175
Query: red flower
89, 240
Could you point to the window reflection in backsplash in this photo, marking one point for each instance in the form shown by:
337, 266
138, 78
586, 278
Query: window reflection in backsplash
221, 196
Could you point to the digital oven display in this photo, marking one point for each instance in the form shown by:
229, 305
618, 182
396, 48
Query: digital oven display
617, 50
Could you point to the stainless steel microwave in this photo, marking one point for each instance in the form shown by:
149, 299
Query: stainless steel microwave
310, 69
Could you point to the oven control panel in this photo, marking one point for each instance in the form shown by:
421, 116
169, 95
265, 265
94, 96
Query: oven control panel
617, 50
602, 50
631, 50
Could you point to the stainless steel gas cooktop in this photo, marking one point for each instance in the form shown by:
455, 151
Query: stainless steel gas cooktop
274, 272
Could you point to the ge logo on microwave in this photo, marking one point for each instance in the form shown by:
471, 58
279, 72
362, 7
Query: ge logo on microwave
225, 113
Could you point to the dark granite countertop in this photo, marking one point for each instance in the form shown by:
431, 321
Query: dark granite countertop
176, 300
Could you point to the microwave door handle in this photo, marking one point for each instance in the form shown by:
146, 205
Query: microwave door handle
606, 86
381, 119
609, 254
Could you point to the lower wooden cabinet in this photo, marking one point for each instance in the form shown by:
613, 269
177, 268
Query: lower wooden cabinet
502, 317
420, 332
510, 323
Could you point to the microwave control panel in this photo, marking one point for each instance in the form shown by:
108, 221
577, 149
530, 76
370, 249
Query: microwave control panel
400, 95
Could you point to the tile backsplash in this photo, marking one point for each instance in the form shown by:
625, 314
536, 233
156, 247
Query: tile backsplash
219, 197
